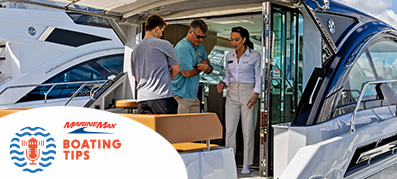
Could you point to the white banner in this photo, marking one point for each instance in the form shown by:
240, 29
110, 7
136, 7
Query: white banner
71, 142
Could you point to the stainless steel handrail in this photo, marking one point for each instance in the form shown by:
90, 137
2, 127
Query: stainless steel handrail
314, 90
360, 98
6, 78
85, 83
75, 93
48, 92
93, 93
50, 84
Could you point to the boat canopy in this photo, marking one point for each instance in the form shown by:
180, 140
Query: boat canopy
127, 10
123, 9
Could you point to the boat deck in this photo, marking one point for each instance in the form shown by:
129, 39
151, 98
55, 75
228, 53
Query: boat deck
253, 175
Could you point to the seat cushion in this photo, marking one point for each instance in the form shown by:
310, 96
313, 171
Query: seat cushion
126, 103
190, 146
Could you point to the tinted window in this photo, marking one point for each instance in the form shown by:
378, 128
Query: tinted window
384, 56
377, 62
96, 69
361, 72
89, 19
72, 38
112, 64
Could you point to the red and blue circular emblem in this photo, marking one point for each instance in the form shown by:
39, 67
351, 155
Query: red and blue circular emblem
32, 149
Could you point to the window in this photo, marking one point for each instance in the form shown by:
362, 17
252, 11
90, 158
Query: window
360, 73
89, 19
72, 38
96, 69
384, 56
377, 62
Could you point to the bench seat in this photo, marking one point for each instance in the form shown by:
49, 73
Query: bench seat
177, 128
190, 146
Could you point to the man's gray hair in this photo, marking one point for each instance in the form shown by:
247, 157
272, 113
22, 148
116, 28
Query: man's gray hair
200, 24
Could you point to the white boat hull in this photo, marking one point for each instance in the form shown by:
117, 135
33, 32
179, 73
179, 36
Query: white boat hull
212, 164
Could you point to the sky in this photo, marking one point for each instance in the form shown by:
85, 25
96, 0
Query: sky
385, 10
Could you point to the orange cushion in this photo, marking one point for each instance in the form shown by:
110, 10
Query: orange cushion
5, 112
178, 128
126, 103
190, 146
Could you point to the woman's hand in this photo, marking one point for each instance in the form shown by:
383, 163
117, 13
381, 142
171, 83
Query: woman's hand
221, 86
252, 100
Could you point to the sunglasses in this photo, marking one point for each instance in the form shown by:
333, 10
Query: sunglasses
199, 36
236, 29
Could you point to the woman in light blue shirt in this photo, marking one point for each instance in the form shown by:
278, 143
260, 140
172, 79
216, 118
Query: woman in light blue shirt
243, 80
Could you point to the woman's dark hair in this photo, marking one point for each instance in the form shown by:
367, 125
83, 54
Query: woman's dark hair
244, 34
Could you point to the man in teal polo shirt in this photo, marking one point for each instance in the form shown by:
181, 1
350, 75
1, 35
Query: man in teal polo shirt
192, 60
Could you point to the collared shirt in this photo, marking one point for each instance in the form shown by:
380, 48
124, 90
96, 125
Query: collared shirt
189, 56
246, 71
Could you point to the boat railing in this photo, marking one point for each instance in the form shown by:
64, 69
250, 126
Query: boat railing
360, 98
5, 79
97, 85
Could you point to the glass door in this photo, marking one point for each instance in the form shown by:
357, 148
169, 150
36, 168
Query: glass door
286, 62
283, 31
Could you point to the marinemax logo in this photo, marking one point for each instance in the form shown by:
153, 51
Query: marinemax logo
93, 125
80, 149
32, 149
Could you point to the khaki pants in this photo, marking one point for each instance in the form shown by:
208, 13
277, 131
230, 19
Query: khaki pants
237, 97
187, 105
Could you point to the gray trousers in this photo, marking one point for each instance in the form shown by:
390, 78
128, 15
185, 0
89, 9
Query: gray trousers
237, 97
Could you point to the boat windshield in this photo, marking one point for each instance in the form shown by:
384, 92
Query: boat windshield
84, 19
78, 18
377, 62
96, 69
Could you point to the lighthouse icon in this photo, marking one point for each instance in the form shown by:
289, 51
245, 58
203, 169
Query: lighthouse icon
32, 149
32, 153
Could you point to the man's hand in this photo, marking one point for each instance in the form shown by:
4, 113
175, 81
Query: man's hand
203, 66
206, 61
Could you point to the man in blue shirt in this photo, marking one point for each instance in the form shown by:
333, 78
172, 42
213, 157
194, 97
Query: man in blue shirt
193, 59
